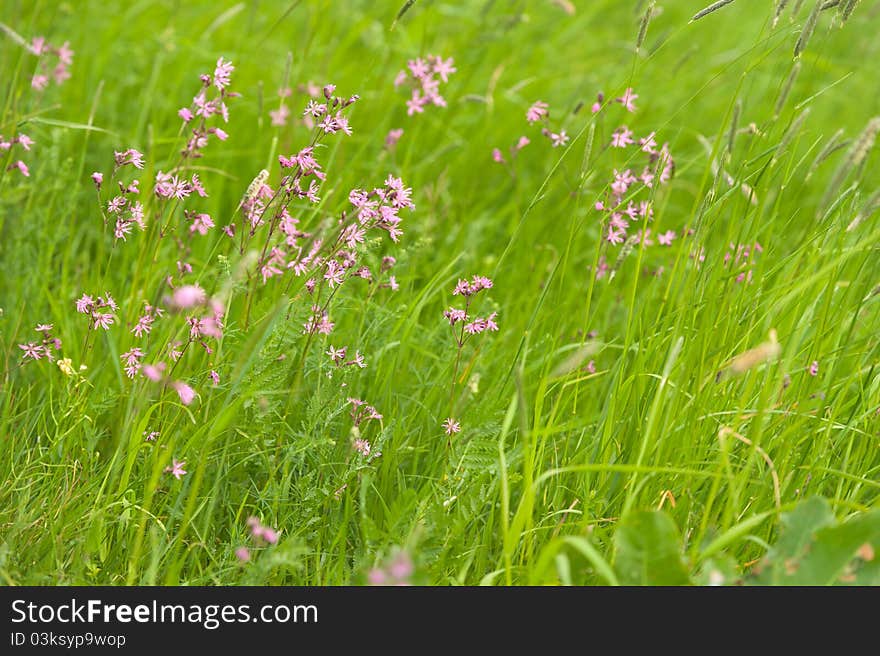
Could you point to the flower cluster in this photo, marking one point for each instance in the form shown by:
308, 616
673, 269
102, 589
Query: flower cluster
338, 357
132, 359
46, 52
96, 309
621, 205
327, 112
468, 328
204, 320
424, 77
397, 571
360, 411
126, 157
43, 348
127, 211
21, 140
144, 324
456, 315
123, 209
318, 322
261, 535
301, 178
328, 264
363, 446
168, 186
539, 112
205, 104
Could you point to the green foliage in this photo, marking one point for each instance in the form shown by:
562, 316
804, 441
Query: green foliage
600, 400
815, 549
648, 550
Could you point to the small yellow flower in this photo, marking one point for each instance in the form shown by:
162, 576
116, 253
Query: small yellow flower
66, 366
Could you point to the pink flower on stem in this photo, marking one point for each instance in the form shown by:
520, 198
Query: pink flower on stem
153, 372
130, 156
814, 368
21, 166
103, 320
538, 111
184, 391
188, 296
362, 446
393, 137
648, 144
279, 116
451, 426
201, 223
176, 469
627, 100
262, 533
32, 351
559, 139
25, 141
622, 137
222, 73
443, 68
665, 238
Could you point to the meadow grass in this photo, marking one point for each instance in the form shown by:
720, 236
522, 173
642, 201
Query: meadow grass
598, 398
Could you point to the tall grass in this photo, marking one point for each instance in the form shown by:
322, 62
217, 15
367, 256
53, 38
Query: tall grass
595, 399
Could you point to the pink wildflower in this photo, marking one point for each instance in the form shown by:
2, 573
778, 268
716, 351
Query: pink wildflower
222, 72
665, 238
176, 469
627, 100
153, 372
32, 351
201, 223
25, 141
393, 137
188, 296
538, 111
451, 426
559, 139
184, 391
103, 320
279, 116
621, 138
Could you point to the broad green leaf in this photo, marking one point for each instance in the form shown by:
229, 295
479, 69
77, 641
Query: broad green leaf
814, 549
649, 550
